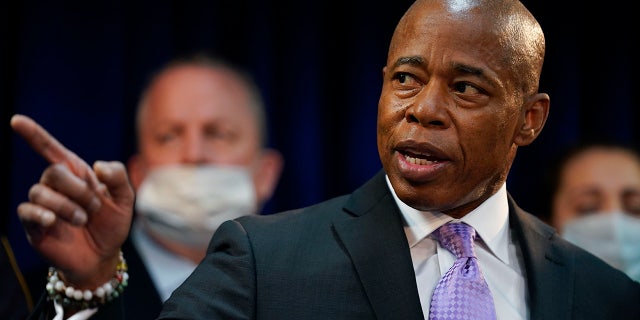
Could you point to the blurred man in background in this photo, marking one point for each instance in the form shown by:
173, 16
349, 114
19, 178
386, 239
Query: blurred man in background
596, 202
201, 160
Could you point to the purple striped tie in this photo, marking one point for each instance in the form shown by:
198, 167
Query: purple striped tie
462, 293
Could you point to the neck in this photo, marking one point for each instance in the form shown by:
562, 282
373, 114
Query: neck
194, 254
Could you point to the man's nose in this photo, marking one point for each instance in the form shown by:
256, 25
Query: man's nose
430, 107
194, 149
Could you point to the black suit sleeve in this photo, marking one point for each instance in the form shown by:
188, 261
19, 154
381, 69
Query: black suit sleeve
223, 284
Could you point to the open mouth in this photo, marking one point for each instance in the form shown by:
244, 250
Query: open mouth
420, 159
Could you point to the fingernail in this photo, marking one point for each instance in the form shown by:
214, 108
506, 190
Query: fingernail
47, 217
79, 218
102, 166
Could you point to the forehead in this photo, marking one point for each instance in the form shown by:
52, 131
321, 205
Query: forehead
456, 33
603, 167
198, 93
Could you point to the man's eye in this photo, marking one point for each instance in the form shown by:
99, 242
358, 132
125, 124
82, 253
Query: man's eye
466, 88
219, 134
402, 77
165, 138
405, 79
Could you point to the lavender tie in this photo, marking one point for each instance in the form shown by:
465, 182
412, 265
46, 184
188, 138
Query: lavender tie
462, 293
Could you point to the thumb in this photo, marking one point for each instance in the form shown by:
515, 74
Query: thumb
113, 175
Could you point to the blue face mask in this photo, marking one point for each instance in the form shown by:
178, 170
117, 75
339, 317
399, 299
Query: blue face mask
614, 237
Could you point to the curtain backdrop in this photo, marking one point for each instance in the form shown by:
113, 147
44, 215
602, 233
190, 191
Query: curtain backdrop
78, 67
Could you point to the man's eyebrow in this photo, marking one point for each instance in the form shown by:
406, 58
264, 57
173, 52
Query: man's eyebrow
413, 60
463, 68
459, 67
466, 69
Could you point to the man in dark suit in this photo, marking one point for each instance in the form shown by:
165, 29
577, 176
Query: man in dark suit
201, 159
460, 95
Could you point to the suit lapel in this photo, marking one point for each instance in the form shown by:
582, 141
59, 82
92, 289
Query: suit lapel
374, 237
548, 272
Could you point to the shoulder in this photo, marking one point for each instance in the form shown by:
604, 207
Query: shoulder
541, 241
321, 213
370, 195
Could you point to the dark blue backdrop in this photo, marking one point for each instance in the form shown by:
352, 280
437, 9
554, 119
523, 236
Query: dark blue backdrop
78, 67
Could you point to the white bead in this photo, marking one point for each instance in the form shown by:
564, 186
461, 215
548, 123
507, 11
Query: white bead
59, 286
107, 288
56, 286
69, 292
99, 292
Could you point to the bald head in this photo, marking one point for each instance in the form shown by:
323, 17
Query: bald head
200, 76
202, 111
503, 24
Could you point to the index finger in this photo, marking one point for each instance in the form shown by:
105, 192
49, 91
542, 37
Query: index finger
41, 140
50, 148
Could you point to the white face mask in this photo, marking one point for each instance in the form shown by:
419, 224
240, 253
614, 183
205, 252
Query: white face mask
614, 237
186, 204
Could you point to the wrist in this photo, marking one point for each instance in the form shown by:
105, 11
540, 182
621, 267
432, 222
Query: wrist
78, 298
94, 276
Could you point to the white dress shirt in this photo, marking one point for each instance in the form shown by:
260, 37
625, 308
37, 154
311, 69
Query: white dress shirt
167, 270
495, 248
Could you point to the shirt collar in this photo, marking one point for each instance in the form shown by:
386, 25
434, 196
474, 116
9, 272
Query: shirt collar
490, 219
166, 269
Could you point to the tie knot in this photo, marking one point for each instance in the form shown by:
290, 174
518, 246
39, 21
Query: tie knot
457, 238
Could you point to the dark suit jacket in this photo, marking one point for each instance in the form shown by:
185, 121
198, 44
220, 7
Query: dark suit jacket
348, 258
141, 298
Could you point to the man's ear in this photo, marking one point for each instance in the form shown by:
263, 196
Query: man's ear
535, 115
135, 170
267, 174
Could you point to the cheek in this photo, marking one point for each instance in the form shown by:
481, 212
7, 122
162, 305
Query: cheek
162, 156
391, 112
385, 125
477, 135
487, 134
562, 210
561, 216
486, 148
238, 152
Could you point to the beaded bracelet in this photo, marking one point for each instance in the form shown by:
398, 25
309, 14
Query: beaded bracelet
70, 297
